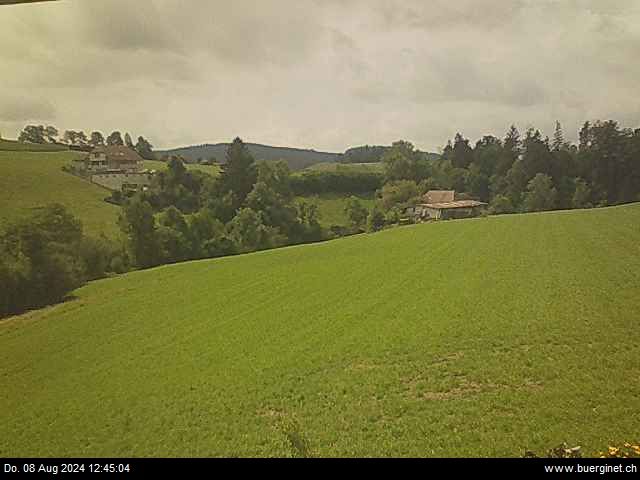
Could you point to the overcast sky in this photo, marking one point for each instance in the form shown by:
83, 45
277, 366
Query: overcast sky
323, 74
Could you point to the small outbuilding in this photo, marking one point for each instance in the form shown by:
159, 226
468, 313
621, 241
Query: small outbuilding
441, 204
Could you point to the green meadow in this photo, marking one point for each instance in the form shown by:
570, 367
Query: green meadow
160, 165
331, 206
481, 337
15, 146
29, 180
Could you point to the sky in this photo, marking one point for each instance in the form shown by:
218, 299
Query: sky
321, 74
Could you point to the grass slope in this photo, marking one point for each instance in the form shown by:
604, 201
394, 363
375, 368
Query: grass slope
331, 206
473, 337
30, 180
15, 146
159, 165
296, 158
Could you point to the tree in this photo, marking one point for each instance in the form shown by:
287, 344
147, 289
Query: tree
249, 233
501, 204
32, 134
51, 133
208, 236
478, 183
271, 196
73, 137
540, 195
400, 193
356, 213
462, 153
605, 160
127, 140
137, 222
516, 181
512, 148
537, 157
239, 173
39, 259
403, 162
582, 194
115, 138
308, 220
96, 140
174, 236
375, 219
144, 149
558, 138
486, 154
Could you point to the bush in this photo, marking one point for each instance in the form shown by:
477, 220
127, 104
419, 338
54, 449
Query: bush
44, 257
375, 220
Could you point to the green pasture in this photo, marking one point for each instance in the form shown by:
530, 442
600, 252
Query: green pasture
29, 180
331, 206
481, 337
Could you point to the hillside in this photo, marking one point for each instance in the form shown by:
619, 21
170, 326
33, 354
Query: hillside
15, 146
480, 337
30, 180
159, 165
296, 158
331, 206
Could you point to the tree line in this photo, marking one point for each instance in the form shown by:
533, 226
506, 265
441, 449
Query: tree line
41, 134
520, 173
187, 215
45, 256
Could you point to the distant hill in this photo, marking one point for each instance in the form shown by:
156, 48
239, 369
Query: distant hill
296, 158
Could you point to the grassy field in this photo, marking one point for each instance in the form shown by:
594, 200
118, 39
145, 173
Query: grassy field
479, 337
14, 146
159, 165
29, 180
331, 206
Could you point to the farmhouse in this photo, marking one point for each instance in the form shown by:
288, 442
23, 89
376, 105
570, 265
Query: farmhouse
115, 167
441, 204
114, 157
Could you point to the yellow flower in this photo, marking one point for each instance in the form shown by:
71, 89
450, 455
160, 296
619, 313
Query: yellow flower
613, 450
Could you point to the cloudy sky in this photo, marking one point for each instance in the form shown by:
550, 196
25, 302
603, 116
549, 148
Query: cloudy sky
323, 74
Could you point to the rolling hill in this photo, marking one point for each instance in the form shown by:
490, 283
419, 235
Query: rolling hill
296, 158
31, 179
481, 337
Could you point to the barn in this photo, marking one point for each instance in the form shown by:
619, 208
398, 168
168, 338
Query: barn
441, 204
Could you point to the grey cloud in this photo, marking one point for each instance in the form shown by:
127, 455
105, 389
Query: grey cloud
320, 73
21, 107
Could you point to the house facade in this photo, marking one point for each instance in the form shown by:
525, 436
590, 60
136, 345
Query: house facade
112, 158
115, 167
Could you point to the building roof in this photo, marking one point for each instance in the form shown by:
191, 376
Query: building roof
456, 204
118, 154
439, 196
